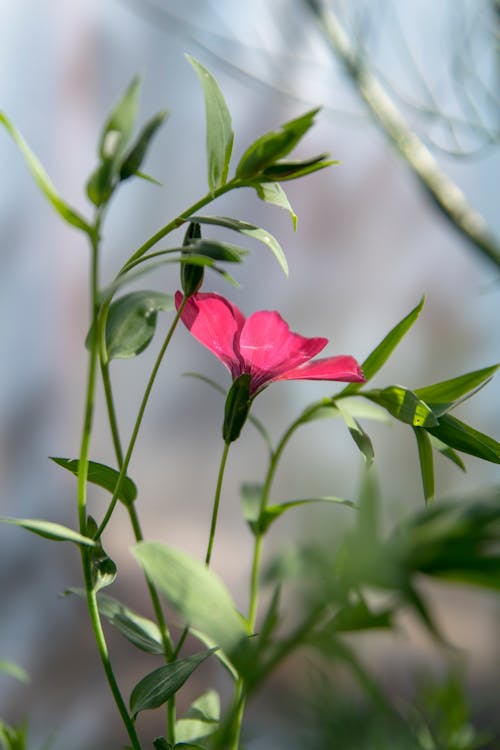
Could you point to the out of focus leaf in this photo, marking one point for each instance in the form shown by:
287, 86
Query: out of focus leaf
426, 462
13, 670
201, 720
49, 530
360, 437
102, 475
131, 322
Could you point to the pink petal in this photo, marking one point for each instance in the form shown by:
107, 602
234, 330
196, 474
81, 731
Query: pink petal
216, 323
268, 348
342, 367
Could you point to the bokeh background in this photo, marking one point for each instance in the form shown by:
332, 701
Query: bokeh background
369, 244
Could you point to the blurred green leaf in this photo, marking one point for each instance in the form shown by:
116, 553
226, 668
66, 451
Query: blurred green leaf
133, 160
462, 437
131, 322
272, 512
272, 192
251, 498
274, 145
358, 616
43, 181
292, 170
360, 437
404, 405
383, 351
426, 462
443, 396
195, 591
102, 475
49, 530
201, 720
217, 250
14, 738
13, 670
249, 230
220, 135
158, 686
446, 451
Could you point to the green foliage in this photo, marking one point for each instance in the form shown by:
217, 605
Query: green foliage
13, 738
201, 720
103, 476
103, 569
272, 192
131, 322
236, 408
443, 397
404, 405
13, 670
462, 437
49, 530
158, 686
133, 160
68, 214
220, 135
426, 462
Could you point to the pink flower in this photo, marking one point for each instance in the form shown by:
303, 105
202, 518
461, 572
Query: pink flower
262, 345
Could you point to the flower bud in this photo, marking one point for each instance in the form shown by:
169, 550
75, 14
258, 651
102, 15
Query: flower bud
191, 275
237, 407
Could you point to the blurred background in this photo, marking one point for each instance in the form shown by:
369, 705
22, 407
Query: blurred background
369, 243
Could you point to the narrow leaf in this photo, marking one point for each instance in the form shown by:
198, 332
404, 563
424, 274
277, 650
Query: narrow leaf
360, 437
195, 591
131, 322
426, 462
157, 687
251, 499
201, 720
272, 192
272, 512
274, 145
133, 161
14, 670
119, 127
249, 230
444, 396
462, 437
43, 181
218, 250
358, 616
446, 451
102, 475
404, 405
292, 170
220, 135
49, 530
383, 351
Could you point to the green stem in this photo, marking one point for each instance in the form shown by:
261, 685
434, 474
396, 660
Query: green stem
138, 422
82, 492
179, 221
239, 710
215, 510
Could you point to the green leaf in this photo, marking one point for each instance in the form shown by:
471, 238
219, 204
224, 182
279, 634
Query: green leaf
219, 654
133, 161
195, 591
43, 181
249, 230
359, 436
102, 475
102, 568
462, 437
272, 512
358, 616
201, 720
426, 462
443, 396
446, 451
131, 322
217, 250
292, 170
14, 670
272, 192
404, 405
14, 738
49, 530
383, 351
220, 135
274, 145
158, 686
251, 498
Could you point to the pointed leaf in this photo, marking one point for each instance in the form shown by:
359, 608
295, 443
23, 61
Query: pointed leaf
157, 687
274, 145
443, 396
404, 405
272, 192
103, 569
102, 475
360, 437
272, 512
49, 530
383, 351
201, 720
358, 616
13, 670
426, 462
133, 161
249, 230
251, 498
220, 135
131, 322
446, 451
195, 591
43, 181
462, 437
292, 170
218, 250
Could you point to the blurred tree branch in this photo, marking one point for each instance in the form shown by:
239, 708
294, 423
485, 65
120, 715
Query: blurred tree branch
438, 186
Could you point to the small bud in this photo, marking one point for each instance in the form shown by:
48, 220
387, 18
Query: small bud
191, 275
237, 407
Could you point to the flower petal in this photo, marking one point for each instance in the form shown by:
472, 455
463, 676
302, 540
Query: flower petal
216, 323
268, 348
343, 368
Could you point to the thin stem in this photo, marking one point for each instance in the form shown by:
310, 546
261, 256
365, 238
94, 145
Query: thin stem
215, 510
239, 703
138, 422
82, 491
